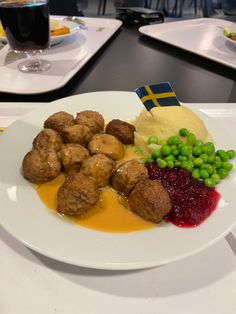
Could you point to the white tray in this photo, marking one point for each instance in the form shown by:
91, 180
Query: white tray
67, 58
202, 36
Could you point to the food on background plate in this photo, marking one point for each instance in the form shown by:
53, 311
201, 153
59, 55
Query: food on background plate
2, 32
164, 122
56, 28
167, 179
229, 34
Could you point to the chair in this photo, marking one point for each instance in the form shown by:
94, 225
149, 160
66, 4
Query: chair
125, 3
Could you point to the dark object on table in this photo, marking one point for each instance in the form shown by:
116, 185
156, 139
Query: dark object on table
139, 16
58, 7
228, 7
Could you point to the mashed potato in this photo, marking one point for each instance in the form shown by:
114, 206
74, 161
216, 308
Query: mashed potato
164, 122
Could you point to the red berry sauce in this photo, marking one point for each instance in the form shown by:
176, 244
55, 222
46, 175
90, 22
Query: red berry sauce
192, 201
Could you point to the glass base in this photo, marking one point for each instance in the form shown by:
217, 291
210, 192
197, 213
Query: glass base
34, 66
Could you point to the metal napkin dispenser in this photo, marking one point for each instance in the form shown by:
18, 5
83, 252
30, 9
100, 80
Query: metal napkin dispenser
139, 16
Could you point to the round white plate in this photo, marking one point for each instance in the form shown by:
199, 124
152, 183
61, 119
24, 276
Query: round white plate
74, 27
24, 216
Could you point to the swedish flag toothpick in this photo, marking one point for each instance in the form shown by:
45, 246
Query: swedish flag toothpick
157, 95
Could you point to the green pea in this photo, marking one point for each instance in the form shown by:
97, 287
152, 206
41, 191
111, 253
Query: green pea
215, 177
223, 173
161, 163
155, 154
191, 139
211, 158
204, 173
227, 165
142, 160
198, 162
138, 151
182, 158
173, 140
177, 163
197, 150
183, 132
210, 183
170, 158
195, 174
208, 148
204, 157
149, 160
208, 167
224, 156
173, 147
185, 150
231, 153
162, 142
188, 165
170, 164
153, 140
219, 151
165, 150
175, 152
217, 164
199, 143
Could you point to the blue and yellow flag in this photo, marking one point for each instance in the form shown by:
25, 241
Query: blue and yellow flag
157, 95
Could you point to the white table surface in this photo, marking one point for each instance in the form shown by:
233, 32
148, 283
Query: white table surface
34, 284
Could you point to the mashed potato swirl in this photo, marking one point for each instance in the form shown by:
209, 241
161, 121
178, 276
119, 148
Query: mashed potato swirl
164, 122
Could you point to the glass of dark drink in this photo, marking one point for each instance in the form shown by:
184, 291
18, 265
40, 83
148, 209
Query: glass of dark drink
26, 24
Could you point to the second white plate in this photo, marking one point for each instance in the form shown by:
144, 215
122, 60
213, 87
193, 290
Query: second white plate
200, 36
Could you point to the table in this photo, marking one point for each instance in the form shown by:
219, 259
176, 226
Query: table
203, 283
130, 60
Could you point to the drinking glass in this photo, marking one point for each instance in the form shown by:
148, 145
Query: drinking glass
26, 24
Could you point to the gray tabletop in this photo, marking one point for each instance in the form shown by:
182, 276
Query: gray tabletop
130, 60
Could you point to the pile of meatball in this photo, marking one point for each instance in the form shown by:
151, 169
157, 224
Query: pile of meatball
87, 151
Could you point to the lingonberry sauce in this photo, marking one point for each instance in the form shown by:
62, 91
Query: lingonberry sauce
192, 201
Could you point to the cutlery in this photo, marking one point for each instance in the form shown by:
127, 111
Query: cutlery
77, 20
3, 54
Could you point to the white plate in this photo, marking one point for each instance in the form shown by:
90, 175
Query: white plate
26, 218
74, 27
200, 36
67, 59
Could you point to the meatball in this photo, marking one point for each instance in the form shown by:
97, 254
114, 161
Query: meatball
108, 145
72, 156
121, 130
59, 121
150, 200
127, 175
41, 165
48, 138
92, 119
77, 134
100, 167
76, 195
